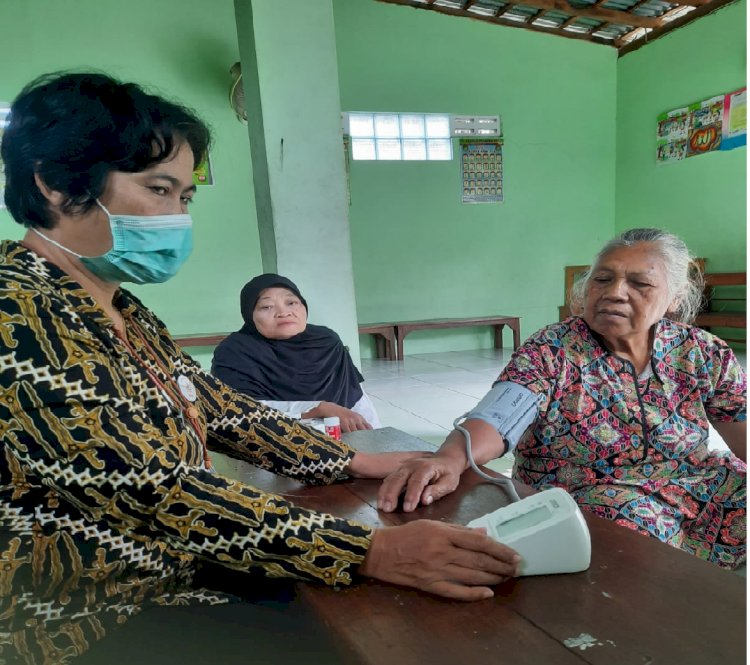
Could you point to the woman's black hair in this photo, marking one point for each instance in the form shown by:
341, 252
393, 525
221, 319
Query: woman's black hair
74, 128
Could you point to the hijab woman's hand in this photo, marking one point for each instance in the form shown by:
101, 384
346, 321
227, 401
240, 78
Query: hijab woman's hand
350, 421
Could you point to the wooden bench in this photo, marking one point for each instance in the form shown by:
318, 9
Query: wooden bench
403, 328
385, 338
200, 339
725, 302
392, 334
385, 332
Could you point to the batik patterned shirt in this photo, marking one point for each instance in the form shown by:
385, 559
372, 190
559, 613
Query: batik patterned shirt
106, 505
632, 448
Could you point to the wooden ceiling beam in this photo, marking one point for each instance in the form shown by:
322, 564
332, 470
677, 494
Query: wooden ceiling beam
501, 20
560, 28
596, 13
583, 36
586, 36
573, 19
668, 27
504, 9
664, 18
640, 3
620, 42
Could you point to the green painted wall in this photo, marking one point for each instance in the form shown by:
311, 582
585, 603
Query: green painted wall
417, 251
702, 199
574, 117
184, 49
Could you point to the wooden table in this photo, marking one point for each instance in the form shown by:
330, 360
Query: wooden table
640, 603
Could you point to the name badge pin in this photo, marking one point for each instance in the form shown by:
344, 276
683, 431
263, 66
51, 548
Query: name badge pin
187, 388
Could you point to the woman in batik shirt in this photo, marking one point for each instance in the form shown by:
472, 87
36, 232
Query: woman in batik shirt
614, 406
108, 503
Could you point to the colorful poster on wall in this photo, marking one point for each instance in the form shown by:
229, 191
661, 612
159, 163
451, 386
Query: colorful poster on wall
671, 135
203, 174
705, 126
481, 170
734, 127
717, 123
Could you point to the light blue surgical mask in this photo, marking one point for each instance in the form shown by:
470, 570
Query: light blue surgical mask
145, 249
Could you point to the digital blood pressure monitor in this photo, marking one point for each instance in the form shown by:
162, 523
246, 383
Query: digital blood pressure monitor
547, 529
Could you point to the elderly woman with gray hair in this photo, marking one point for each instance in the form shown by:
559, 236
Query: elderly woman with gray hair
614, 406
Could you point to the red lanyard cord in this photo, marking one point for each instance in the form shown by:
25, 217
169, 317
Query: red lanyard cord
187, 410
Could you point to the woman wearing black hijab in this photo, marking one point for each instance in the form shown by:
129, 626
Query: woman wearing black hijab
278, 358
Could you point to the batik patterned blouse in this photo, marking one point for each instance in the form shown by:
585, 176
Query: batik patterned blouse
106, 506
634, 449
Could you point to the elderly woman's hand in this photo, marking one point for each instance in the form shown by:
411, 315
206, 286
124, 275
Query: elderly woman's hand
444, 559
350, 421
427, 479
379, 465
420, 480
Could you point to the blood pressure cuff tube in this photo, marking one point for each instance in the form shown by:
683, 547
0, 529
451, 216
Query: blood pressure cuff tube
509, 408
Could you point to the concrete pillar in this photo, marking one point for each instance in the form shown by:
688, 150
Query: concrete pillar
290, 79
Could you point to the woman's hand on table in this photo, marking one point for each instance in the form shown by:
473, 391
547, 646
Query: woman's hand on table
379, 465
349, 420
444, 559
420, 480
428, 479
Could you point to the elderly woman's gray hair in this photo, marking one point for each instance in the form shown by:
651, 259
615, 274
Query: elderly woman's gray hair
684, 277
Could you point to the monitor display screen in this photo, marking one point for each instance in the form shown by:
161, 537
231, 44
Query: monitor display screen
522, 521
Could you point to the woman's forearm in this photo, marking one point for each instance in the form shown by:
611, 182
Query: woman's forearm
321, 410
486, 444
735, 436
379, 465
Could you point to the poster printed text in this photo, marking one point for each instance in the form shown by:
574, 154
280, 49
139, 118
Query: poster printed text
717, 123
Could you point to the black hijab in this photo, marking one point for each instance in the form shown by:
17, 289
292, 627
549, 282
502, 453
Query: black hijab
311, 366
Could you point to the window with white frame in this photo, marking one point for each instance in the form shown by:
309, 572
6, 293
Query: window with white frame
399, 136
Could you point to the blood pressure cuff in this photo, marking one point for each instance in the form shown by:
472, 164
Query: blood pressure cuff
509, 408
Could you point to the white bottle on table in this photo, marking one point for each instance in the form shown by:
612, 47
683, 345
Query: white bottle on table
333, 427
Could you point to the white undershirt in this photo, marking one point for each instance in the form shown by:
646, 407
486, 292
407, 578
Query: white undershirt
364, 407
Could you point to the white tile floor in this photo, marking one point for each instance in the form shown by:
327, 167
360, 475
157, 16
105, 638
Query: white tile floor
423, 393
